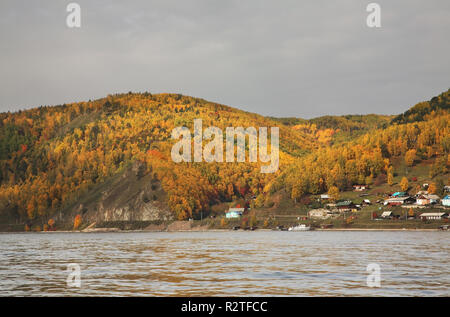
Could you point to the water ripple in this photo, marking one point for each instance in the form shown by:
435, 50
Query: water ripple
225, 263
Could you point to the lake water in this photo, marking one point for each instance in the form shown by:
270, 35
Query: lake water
226, 263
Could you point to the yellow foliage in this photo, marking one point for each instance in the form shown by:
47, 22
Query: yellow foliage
404, 184
333, 192
432, 189
116, 130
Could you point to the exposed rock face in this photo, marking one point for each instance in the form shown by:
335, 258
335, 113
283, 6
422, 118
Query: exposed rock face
132, 197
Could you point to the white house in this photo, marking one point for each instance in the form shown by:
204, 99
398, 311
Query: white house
422, 200
446, 201
234, 212
319, 213
359, 188
433, 198
397, 201
432, 215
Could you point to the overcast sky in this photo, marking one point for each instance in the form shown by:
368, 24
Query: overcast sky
281, 58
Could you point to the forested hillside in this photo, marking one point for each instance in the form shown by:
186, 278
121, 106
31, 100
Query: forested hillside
329, 130
53, 157
424, 110
370, 157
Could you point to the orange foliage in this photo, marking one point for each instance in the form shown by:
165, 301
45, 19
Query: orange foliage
77, 222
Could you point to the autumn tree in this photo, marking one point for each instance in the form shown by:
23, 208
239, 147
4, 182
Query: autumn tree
404, 184
297, 191
31, 210
410, 157
432, 189
333, 192
390, 176
77, 222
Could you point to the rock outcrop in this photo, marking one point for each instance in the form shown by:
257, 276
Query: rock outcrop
130, 197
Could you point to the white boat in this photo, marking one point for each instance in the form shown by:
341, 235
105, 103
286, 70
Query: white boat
300, 227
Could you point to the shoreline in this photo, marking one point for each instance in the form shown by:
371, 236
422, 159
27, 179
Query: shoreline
109, 230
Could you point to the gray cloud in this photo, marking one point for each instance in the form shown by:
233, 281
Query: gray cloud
281, 58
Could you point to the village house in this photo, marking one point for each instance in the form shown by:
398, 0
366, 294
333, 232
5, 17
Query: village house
427, 199
234, 212
432, 215
360, 188
386, 215
346, 206
422, 200
321, 213
397, 201
324, 196
446, 201
434, 199
318, 213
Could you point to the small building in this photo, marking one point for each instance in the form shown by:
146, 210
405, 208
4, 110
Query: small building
432, 215
434, 199
422, 200
427, 199
386, 215
320, 213
446, 201
360, 188
397, 201
324, 196
234, 212
346, 205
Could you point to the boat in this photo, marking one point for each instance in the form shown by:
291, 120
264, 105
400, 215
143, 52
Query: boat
300, 227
